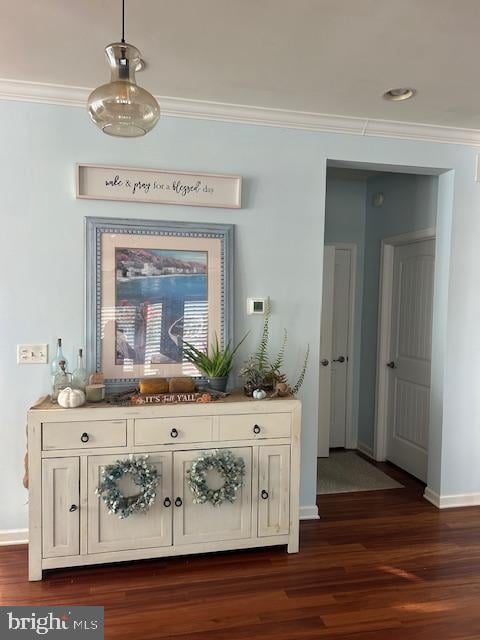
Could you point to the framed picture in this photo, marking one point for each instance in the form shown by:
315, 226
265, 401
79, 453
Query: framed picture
149, 286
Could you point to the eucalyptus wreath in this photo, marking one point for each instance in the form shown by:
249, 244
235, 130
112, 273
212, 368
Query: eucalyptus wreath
144, 475
230, 467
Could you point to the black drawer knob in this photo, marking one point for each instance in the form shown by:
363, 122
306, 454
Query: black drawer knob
256, 429
264, 494
84, 437
178, 502
174, 433
73, 508
167, 502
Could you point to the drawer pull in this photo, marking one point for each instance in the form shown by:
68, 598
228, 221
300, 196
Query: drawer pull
264, 494
167, 502
174, 433
73, 508
256, 429
84, 437
178, 502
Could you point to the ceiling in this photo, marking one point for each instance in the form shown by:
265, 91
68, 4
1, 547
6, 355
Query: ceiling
321, 56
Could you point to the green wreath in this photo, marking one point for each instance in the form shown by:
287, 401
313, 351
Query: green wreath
144, 476
231, 468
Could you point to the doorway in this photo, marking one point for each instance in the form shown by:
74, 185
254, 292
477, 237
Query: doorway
376, 335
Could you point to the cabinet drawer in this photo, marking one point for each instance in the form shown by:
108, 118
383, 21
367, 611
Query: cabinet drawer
84, 435
245, 427
172, 430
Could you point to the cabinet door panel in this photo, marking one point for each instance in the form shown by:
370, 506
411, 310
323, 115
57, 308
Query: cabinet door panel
203, 522
60, 497
274, 490
153, 528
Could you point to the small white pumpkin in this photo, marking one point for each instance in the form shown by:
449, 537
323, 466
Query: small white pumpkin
259, 394
70, 398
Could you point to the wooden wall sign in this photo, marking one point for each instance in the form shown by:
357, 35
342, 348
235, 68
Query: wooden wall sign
99, 182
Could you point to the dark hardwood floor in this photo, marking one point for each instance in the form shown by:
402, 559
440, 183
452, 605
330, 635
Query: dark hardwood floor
382, 565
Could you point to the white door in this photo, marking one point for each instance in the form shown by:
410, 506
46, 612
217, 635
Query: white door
325, 379
152, 528
337, 312
273, 490
61, 507
194, 523
340, 346
410, 357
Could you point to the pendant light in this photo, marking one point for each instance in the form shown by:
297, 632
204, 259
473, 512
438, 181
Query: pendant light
122, 108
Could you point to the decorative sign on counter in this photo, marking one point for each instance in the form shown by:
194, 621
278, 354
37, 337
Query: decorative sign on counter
100, 182
170, 398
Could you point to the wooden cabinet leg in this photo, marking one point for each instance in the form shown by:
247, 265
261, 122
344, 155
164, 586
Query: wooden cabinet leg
34, 569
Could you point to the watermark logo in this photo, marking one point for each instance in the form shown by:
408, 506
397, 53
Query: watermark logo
51, 622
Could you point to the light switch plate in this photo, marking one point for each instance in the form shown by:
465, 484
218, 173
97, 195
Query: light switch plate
32, 353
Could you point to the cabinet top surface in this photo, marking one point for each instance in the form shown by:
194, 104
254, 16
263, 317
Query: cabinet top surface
236, 401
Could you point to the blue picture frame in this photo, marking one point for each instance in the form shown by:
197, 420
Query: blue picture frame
95, 227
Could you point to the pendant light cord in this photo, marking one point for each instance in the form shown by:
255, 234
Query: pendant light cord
123, 21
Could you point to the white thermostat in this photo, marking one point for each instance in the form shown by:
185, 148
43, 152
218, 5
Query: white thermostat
256, 305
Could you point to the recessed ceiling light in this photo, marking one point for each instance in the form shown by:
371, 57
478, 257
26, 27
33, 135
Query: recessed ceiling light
395, 95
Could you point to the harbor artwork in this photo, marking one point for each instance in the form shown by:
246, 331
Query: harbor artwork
161, 300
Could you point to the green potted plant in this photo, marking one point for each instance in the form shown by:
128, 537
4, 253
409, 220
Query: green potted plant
259, 372
216, 365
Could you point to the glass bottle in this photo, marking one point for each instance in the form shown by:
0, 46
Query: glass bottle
80, 375
59, 359
59, 371
61, 380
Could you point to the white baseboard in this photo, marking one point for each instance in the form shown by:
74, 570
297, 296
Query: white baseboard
13, 536
452, 501
366, 450
309, 512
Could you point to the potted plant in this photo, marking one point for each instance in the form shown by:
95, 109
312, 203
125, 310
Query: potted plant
216, 365
259, 372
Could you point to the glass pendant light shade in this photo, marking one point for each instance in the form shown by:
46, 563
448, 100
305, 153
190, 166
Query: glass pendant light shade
122, 108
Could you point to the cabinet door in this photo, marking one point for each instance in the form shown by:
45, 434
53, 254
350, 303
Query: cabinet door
60, 505
196, 523
274, 490
152, 528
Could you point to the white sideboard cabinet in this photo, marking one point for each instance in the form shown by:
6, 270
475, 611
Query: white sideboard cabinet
69, 525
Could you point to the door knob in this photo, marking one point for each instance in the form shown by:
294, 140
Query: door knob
73, 508
167, 502
391, 365
339, 359
324, 362
178, 502
264, 494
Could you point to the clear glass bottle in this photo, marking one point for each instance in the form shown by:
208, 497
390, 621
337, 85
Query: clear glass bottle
61, 380
80, 375
59, 359
60, 376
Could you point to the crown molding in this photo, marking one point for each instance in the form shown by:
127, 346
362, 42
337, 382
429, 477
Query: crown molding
43, 93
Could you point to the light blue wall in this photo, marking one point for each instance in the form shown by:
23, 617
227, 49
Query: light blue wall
42, 259
278, 253
345, 222
410, 204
